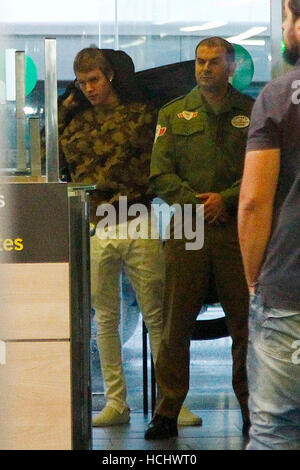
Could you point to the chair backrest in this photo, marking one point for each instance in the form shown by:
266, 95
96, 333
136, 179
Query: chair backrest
210, 329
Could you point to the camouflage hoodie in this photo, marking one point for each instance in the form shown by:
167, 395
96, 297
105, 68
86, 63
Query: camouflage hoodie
110, 147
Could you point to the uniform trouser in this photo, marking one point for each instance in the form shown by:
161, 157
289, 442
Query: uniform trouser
143, 262
187, 277
273, 364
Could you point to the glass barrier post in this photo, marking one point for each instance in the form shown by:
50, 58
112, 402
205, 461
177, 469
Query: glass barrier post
20, 114
35, 146
51, 119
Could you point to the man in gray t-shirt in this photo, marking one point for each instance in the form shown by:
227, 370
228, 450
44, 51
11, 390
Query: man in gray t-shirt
269, 232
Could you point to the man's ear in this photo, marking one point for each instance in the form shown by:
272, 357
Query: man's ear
297, 31
232, 68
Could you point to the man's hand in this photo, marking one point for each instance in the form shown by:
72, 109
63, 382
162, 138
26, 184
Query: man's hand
214, 208
255, 211
70, 102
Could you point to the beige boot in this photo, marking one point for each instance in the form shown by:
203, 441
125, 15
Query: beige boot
187, 418
111, 417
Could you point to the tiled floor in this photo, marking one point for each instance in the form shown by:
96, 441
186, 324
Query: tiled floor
221, 430
210, 395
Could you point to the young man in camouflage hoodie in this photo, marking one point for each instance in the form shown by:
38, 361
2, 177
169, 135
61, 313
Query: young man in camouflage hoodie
106, 136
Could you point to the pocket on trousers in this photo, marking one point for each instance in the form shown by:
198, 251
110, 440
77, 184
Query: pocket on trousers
280, 331
256, 317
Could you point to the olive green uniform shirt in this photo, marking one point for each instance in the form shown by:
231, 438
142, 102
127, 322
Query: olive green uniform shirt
199, 150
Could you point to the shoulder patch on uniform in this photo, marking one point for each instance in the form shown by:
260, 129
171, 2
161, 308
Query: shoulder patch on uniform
240, 121
159, 131
242, 102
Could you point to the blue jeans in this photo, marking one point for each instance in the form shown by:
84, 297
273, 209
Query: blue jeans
273, 366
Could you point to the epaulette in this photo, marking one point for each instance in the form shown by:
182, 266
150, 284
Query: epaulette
242, 101
173, 101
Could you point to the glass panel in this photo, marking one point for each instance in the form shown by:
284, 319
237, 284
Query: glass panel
28, 24
153, 33
167, 31
162, 32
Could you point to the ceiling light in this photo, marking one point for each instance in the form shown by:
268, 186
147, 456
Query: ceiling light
210, 25
250, 42
248, 34
137, 42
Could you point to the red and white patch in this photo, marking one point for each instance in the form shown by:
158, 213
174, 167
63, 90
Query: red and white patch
188, 115
159, 131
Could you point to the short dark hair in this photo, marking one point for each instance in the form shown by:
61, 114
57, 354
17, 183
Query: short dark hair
114, 64
215, 41
294, 6
92, 58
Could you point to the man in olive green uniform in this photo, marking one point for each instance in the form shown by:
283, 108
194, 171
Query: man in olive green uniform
198, 158
106, 134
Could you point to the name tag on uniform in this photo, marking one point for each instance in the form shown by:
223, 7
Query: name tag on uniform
240, 121
188, 115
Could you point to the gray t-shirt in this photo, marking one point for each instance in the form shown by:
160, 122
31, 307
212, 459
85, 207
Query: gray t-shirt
275, 123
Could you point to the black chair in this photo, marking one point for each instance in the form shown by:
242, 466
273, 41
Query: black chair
203, 330
210, 329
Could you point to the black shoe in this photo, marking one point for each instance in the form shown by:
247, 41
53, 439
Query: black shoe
161, 427
246, 428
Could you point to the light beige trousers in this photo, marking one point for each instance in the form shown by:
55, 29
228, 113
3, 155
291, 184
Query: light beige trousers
143, 262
